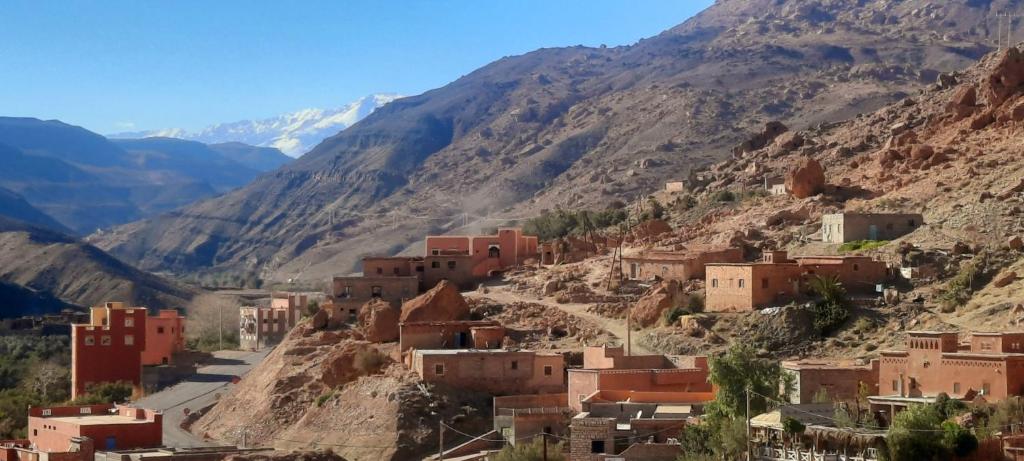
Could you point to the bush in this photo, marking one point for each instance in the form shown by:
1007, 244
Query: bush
560, 223
671, 315
368, 361
96, 394
695, 303
832, 310
323, 398
861, 245
312, 308
533, 451
961, 287
724, 196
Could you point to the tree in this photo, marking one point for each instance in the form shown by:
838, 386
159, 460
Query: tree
739, 369
915, 434
958, 440
118, 392
312, 308
832, 310
532, 451
792, 427
48, 381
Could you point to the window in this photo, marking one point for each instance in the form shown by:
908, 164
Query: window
895, 385
913, 383
105, 340
451, 265
742, 283
547, 430
856, 267
547, 370
435, 264
129, 340
956, 388
419, 268
346, 292
515, 365
764, 283
714, 283
395, 271
597, 446
986, 388
376, 292
129, 322
47, 412
160, 330
85, 410
35, 432
380, 271
439, 369
493, 251
90, 340
435, 252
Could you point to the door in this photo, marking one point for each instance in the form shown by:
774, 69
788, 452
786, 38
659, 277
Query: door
461, 339
872, 232
111, 443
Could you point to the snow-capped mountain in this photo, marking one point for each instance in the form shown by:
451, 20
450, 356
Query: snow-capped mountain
294, 133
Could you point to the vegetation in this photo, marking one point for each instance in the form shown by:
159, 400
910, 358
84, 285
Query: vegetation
694, 305
961, 287
925, 432
323, 398
654, 210
533, 451
213, 322
560, 223
724, 196
861, 245
369, 361
104, 393
312, 308
33, 371
832, 310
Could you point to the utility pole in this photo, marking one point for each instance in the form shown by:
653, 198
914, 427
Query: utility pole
220, 326
750, 455
440, 440
545, 435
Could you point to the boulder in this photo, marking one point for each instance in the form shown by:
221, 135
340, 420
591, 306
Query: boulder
982, 120
965, 96
1015, 243
1004, 279
921, 152
319, 320
1006, 77
651, 228
441, 303
648, 310
758, 141
806, 179
550, 287
379, 321
786, 142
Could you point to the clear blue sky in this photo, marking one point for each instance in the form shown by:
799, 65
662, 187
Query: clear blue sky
129, 65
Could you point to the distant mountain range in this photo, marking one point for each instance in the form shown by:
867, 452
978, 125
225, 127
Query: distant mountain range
293, 133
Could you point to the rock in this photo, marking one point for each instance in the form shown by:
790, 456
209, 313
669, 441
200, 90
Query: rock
651, 228
1012, 190
1015, 243
786, 142
921, 152
965, 96
758, 141
379, 321
319, 320
648, 310
891, 296
1017, 112
1004, 279
441, 303
982, 120
551, 287
1006, 78
805, 179
945, 80
961, 248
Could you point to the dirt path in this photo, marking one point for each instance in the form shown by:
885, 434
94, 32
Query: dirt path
616, 327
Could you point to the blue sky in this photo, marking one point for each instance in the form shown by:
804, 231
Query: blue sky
130, 65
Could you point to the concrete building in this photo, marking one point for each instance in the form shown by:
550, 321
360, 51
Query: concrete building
455, 334
521, 418
109, 348
840, 380
108, 427
609, 369
616, 425
678, 265
851, 227
165, 337
989, 365
262, 326
177, 454
498, 372
777, 279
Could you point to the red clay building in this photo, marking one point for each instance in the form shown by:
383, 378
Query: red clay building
609, 369
678, 265
498, 372
165, 337
348, 294
521, 418
840, 380
55, 429
488, 253
109, 348
777, 279
456, 334
990, 365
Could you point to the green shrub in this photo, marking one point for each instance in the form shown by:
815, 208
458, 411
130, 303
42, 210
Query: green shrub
724, 196
532, 451
104, 393
323, 398
832, 310
560, 223
695, 303
862, 245
671, 315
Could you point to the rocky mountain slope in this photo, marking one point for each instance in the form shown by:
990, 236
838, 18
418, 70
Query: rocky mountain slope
571, 127
40, 266
87, 182
293, 133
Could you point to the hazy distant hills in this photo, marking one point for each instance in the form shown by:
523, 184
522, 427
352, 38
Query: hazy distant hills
571, 127
14, 206
86, 182
293, 133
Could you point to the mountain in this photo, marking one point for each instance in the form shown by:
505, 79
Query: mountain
55, 265
293, 133
572, 127
14, 206
87, 182
18, 301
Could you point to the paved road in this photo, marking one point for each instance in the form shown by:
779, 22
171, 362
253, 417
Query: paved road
198, 391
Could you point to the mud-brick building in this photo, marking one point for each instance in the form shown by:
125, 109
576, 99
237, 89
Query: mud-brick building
455, 334
521, 418
348, 294
165, 337
60, 430
109, 348
488, 254
678, 265
262, 326
840, 380
628, 425
610, 369
851, 227
778, 279
988, 365
498, 372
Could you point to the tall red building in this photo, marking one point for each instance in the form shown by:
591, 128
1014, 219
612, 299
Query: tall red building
165, 336
109, 348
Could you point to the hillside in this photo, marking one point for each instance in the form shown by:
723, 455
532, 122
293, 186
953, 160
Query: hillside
55, 265
571, 127
86, 182
14, 206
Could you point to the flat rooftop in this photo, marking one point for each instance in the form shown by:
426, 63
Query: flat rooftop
97, 420
476, 351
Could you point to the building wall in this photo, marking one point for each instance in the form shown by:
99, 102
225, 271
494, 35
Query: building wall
359, 290
849, 227
165, 336
493, 372
443, 335
584, 431
679, 266
583, 383
842, 383
53, 435
108, 349
674, 186
388, 266
457, 269
513, 248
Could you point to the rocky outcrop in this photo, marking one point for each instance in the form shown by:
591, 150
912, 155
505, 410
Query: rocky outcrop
1004, 279
758, 141
1006, 77
319, 455
443, 302
649, 309
806, 178
378, 321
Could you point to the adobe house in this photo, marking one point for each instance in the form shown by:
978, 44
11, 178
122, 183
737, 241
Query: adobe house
109, 348
775, 185
454, 334
622, 424
678, 265
498, 372
778, 279
263, 326
841, 380
348, 294
521, 418
165, 337
609, 369
851, 227
489, 254
58, 430
989, 365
